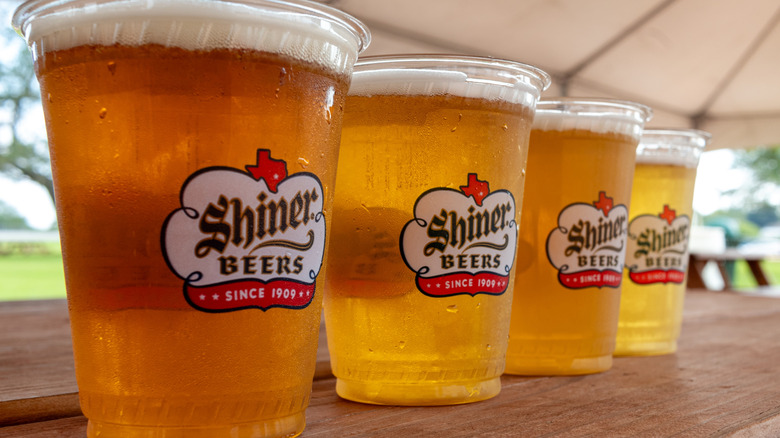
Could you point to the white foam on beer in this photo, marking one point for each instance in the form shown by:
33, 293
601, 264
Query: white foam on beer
593, 121
672, 157
432, 82
197, 25
676, 148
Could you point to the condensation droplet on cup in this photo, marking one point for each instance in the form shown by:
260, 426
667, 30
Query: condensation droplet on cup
460, 116
303, 162
478, 305
505, 127
282, 80
488, 347
401, 345
522, 172
48, 98
103, 113
111, 67
330, 94
453, 308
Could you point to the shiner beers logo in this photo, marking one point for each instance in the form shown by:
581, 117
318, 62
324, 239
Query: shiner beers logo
247, 239
588, 246
461, 242
657, 247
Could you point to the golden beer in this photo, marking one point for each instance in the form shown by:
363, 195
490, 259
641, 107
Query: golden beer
428, 188
176, 141
572, 238
657, 255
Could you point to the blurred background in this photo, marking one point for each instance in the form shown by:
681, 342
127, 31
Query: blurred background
705, 64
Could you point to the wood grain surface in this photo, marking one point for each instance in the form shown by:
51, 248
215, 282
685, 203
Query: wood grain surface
723, 381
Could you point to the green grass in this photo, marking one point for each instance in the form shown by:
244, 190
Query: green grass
743, 278
31, 277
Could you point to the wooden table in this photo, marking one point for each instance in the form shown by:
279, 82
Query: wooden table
724, 381
699, 260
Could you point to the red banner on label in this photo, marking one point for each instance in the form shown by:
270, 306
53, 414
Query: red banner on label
243, 294
590, 278
657, 276
463, 283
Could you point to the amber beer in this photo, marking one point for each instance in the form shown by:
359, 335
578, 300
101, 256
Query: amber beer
659, 229
418, 291
193, 151
573, 236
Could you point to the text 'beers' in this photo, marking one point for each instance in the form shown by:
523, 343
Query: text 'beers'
230, 222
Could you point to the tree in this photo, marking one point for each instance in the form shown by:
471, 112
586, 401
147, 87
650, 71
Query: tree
23, 148
10, 219
763, 215
764, 162
760, 194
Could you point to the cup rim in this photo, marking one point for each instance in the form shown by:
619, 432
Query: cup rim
600, 104
31, 9
696, 137
538, 77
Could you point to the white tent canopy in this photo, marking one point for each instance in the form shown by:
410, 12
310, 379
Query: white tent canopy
708, 64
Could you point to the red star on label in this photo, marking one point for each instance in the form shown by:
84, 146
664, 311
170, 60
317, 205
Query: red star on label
668, 214
272, 171
476, 188
604, 203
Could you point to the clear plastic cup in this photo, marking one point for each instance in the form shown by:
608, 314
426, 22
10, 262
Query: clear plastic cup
418, 292
657, 254
573, 236
194, 148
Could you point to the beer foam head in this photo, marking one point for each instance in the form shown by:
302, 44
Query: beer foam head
430, 75
595, 115
677, 147
306, 31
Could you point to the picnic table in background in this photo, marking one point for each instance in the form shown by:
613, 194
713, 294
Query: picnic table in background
699, 260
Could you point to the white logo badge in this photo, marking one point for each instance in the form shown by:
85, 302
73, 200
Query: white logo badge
658, 247
247, 239
461, 242
588, 246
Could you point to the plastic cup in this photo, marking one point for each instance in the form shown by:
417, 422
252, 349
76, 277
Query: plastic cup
194, 149
573, 236
418, 291
658, 232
